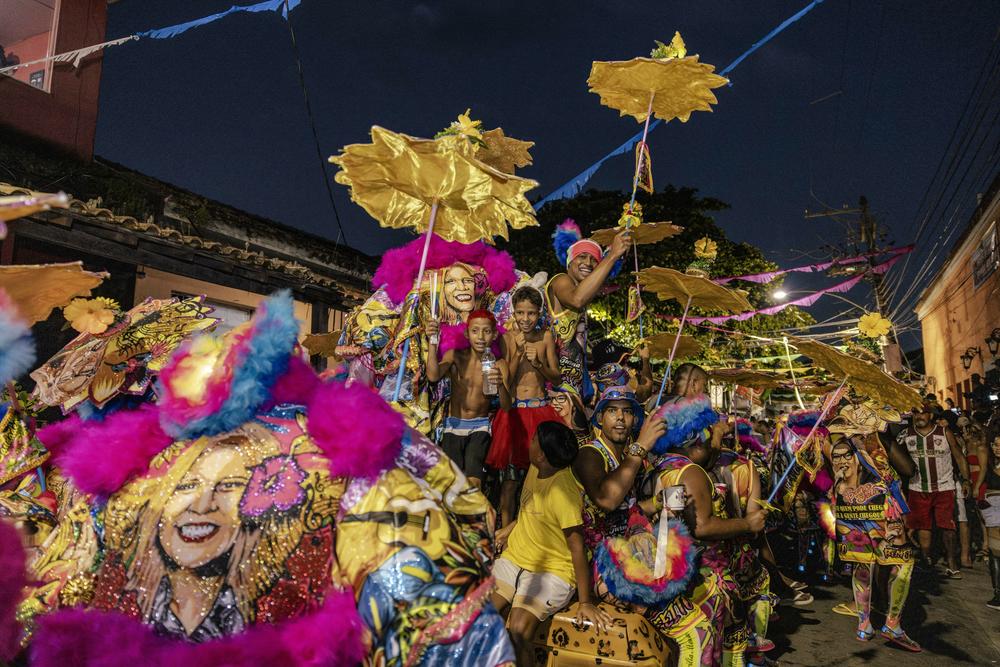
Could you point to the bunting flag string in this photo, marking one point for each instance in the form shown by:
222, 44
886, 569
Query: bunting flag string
768, 276
575, 185
76, 56
805, 301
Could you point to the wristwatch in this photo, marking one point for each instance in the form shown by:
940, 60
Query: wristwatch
635, 450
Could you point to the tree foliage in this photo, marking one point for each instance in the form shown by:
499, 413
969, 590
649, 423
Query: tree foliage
595, 209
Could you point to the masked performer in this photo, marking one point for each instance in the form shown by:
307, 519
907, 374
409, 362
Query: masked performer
869, 509
257, 515
459, 279
569, 294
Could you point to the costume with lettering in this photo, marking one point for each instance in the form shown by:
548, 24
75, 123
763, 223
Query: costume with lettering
869, 509
258, 515
696, 619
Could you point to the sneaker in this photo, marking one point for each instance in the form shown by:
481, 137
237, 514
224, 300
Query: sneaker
994, 603
901, 639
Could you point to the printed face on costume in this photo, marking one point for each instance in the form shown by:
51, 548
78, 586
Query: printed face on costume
481, 334
526, 315
563, 405
581, 266
460, 289
617, 419
845, 463
201, 520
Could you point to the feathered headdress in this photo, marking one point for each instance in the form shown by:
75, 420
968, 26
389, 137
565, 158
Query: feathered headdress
399, 266
567, 235
747, 437
685, 417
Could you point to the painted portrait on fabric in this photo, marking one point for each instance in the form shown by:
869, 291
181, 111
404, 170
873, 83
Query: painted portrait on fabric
221, 533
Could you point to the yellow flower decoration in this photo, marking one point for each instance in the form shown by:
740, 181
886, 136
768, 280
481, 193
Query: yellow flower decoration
675, 49
631, 218
873, 325
466, 127
92, 316
706, 248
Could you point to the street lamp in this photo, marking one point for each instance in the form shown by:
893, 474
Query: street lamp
781, 294
993, 341
969, 355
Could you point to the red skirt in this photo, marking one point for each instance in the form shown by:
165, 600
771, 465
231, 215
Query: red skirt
512, 433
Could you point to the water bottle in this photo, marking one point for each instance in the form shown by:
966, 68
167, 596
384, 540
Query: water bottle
489, 362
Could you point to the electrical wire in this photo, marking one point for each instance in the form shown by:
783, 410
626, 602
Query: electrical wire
312, 126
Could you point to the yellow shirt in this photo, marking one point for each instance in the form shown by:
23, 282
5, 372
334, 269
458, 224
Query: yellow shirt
549, 505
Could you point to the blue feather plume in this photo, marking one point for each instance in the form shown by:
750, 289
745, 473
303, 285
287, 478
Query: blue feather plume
685, 417
567, 233
275, 333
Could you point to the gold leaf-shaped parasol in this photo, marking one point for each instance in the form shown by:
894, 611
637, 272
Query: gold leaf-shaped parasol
679, 85
504, 153
746, 377
660, 345
324, 344
37, 289
703, 293
866, 378
398, 179
18, 206
645, 233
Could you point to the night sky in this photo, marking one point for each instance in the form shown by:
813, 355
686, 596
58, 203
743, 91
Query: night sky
219, 110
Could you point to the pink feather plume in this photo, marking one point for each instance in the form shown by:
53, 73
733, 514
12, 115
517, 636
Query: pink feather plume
332, 635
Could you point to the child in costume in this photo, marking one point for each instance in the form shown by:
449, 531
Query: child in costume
569, 294
545, 561
466, 437
530, 353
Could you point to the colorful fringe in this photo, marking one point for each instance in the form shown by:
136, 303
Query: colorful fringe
240, 384
684, 418
628, 575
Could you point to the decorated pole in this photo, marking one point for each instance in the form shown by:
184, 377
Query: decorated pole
673, 351
416, 298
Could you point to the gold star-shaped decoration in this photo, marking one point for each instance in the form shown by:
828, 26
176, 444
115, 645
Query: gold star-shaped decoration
504, 153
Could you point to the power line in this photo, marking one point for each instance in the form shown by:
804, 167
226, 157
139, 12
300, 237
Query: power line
312, 126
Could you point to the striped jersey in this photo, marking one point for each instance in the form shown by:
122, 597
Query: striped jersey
932, 455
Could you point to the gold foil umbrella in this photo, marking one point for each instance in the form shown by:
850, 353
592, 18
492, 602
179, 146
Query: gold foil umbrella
864, 376
647, 232
691, 291
18, 206
694, 290
746, 377
37, 289
670, 84
661, 344
435, 186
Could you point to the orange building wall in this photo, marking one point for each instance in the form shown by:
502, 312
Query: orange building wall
67, 115
958, 318
29, 49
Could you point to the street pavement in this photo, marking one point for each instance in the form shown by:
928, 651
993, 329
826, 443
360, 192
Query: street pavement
949, 619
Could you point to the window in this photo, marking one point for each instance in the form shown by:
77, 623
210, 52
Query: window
986, 257
28, 33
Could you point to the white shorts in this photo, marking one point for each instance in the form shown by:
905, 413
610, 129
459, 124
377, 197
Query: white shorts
541, 593
991, 514
963, 516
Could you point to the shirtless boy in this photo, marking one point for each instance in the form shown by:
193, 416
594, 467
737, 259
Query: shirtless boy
466, 436
530, 353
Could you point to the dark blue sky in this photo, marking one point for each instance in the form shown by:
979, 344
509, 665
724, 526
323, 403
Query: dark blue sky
219, 109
